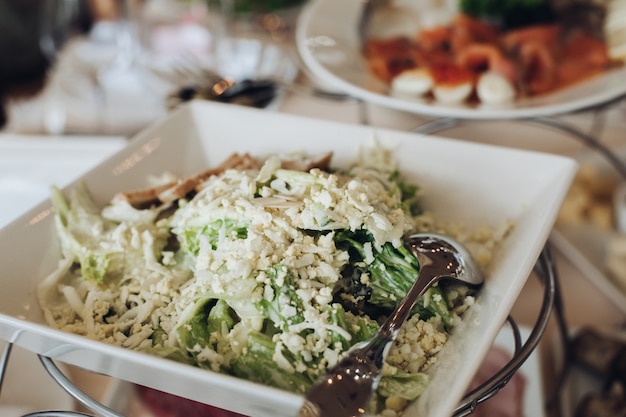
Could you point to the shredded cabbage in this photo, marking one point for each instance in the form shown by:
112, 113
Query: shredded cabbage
268, 274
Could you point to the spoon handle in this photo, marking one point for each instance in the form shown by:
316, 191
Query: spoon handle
388, 331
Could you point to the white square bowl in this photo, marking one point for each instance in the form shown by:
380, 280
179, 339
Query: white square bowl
460, 181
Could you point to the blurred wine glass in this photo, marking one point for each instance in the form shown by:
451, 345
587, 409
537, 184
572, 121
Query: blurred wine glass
127, 79
61, 20
91, 77
117, 26
243, 30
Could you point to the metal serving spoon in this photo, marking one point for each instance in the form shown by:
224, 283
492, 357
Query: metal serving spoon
346, 389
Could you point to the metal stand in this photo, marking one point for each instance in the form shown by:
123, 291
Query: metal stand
545, 269
553, 402
589, 140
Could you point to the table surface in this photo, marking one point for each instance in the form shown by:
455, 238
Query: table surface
584, 304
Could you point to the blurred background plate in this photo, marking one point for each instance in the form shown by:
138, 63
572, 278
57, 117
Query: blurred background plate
328, 42
586, 246
594, 382
586, 229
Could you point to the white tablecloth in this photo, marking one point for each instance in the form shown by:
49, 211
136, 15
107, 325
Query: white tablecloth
30, 164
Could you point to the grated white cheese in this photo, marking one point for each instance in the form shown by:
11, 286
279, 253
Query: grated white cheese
249, 242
